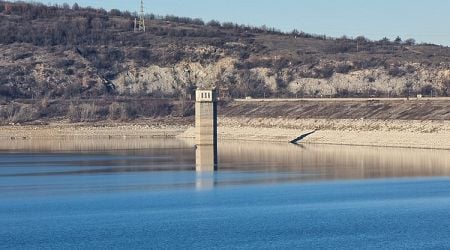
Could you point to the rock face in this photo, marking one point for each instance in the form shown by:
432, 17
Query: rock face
376, 80
177, 79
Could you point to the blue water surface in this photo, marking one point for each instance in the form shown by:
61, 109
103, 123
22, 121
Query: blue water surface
119, 201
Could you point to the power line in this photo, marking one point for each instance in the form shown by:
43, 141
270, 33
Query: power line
139, 26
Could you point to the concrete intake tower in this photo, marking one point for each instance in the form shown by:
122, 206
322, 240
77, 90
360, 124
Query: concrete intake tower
206, 131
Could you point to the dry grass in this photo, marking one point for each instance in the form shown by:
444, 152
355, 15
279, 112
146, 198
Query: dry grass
78, 110
17, 113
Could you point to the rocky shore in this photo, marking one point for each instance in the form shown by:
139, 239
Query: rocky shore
88, 131
394, 133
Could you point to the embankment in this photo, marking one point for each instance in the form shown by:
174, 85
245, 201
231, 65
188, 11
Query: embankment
386, 123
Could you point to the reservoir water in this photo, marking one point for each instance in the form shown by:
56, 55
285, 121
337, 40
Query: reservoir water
144, 194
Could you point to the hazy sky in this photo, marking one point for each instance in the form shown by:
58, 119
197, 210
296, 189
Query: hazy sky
424, 20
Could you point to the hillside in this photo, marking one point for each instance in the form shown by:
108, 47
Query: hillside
55, 53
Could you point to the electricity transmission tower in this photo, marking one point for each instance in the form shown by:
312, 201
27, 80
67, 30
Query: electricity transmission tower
140, 25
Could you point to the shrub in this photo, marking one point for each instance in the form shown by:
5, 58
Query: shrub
372, 62
64, 63
243, 55
280, 64
131, 111
427, 90
187, 108
343, 68
10, 91
342, 92
21, 56
281, 84
73, 90
396, 71
340, 46
115, 12
326, 71
408, 89
213, 23
19, 113
228, 25
410, 69
83, 112
410, 42
25, 113
115, 110
69, 72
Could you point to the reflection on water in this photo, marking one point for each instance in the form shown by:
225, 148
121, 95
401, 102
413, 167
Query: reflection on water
336, 162
289, 162
89, 144
206, 158
95, 194
205, 180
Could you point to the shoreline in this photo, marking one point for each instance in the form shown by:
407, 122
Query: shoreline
369, 133
372, 133
88, 131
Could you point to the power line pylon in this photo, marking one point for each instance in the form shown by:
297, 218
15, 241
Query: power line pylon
141, 18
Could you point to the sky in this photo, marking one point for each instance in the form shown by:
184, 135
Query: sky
424, 20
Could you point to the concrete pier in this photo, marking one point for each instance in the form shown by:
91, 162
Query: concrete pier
206, 131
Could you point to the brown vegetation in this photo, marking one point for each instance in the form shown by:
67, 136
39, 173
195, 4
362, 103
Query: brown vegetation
79, 110
75, 56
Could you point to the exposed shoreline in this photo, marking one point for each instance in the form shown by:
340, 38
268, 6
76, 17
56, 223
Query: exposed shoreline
375, 133
404, 134
67, 130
